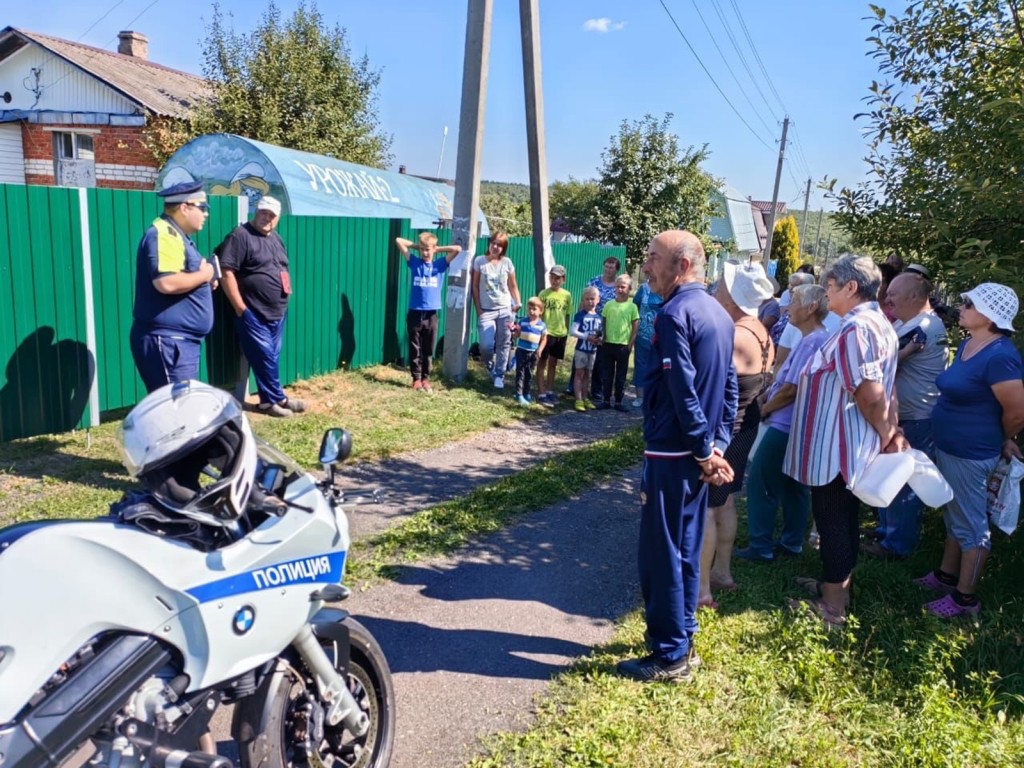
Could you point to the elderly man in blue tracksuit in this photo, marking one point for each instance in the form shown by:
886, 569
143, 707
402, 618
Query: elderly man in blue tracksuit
689, 404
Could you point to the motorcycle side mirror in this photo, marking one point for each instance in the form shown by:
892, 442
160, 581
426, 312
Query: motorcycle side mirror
335, 448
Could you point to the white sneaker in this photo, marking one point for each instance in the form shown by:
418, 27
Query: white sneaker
638, 403
499, 382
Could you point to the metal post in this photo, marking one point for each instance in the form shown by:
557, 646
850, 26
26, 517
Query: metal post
440, 159
467, 185
529, 23
775, 193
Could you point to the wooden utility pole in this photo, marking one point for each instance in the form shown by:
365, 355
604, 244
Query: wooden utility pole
467, 186
529, 24
775, 192
807, 200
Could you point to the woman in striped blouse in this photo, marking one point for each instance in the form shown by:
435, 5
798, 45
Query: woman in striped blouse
845, 415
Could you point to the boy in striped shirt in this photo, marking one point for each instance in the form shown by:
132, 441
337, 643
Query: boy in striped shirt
532, 336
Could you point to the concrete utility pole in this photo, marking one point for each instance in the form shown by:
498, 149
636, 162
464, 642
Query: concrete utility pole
775, 193
467, 185
817, 237
529, 24
807, 200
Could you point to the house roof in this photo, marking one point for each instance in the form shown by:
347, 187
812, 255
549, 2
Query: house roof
765, 206
158, 89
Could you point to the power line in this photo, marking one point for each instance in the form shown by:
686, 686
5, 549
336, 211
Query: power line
742, 58
800, 149
712, 79
728, 66
101, 18
757, 56
100, 50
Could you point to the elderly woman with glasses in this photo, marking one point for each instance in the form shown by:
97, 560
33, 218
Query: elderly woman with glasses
496, 298
768, 487
844, 416
979, 411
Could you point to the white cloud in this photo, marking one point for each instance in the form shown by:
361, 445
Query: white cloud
603, 25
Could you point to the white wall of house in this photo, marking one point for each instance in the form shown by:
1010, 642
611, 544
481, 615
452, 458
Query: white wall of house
12, 159
60, 87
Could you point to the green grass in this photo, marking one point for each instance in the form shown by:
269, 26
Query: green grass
894, 688
444, 528
78, 474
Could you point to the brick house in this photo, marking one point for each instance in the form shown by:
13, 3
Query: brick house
74, 115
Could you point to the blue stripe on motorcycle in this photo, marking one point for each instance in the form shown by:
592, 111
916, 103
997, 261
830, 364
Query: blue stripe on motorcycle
320, 569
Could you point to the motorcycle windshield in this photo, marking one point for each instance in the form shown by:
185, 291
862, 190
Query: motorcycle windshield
272, 455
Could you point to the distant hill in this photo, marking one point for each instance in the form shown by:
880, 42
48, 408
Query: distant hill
516, 192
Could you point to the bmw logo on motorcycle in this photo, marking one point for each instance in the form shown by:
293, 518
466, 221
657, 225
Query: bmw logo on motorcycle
243, 620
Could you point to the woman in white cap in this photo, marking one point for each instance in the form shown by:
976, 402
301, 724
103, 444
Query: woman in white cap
979, 412
742, 289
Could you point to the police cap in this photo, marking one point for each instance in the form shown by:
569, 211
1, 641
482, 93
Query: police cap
183, 192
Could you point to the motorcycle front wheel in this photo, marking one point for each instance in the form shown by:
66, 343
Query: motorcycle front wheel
286, 723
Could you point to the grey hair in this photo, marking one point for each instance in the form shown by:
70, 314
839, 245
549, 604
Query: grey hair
693, 252
812, 296
800, 278
859, 269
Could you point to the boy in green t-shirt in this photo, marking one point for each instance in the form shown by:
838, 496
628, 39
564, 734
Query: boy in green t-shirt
621, 318
557, 315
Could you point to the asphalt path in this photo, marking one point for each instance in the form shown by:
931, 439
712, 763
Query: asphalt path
474, 638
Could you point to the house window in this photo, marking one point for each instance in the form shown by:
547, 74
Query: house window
73, 146
74, 159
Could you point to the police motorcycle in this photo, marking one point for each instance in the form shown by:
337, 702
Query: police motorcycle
120, 637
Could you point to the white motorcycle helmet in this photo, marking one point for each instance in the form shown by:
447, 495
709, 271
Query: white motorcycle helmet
191, 446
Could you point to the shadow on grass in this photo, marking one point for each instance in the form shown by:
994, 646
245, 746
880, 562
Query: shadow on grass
43, 457
896, 650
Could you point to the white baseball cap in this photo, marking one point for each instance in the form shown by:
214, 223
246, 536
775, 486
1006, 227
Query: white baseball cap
747, 284
268, 203
996, 302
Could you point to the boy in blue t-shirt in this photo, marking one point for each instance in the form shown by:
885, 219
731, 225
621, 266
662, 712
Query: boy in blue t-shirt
424, 301
532, 336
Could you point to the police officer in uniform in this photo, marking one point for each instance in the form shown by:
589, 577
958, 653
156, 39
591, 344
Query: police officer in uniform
690, 395
173, 290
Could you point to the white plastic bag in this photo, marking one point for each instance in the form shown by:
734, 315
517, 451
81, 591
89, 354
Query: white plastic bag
883, 478
1004, 494
927, 482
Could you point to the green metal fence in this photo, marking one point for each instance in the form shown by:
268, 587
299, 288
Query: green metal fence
67, 285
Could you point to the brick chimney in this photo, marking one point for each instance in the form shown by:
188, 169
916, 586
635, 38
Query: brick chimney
133, 44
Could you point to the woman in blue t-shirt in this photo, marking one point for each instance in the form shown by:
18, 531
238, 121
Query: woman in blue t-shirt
979, 412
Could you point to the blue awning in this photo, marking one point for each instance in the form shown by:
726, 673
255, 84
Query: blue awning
308, 184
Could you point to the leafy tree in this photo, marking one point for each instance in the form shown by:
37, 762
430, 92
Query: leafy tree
292, 82
506, 211
648, 184
946, 125
574, 204
785, 248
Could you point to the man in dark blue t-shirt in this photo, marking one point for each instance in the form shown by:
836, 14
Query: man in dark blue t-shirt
173, 309
424, 301
257, 283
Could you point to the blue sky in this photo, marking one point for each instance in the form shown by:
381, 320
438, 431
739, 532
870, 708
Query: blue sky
604, 61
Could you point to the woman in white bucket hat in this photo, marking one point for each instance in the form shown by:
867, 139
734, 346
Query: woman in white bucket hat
741, 291
979, 412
